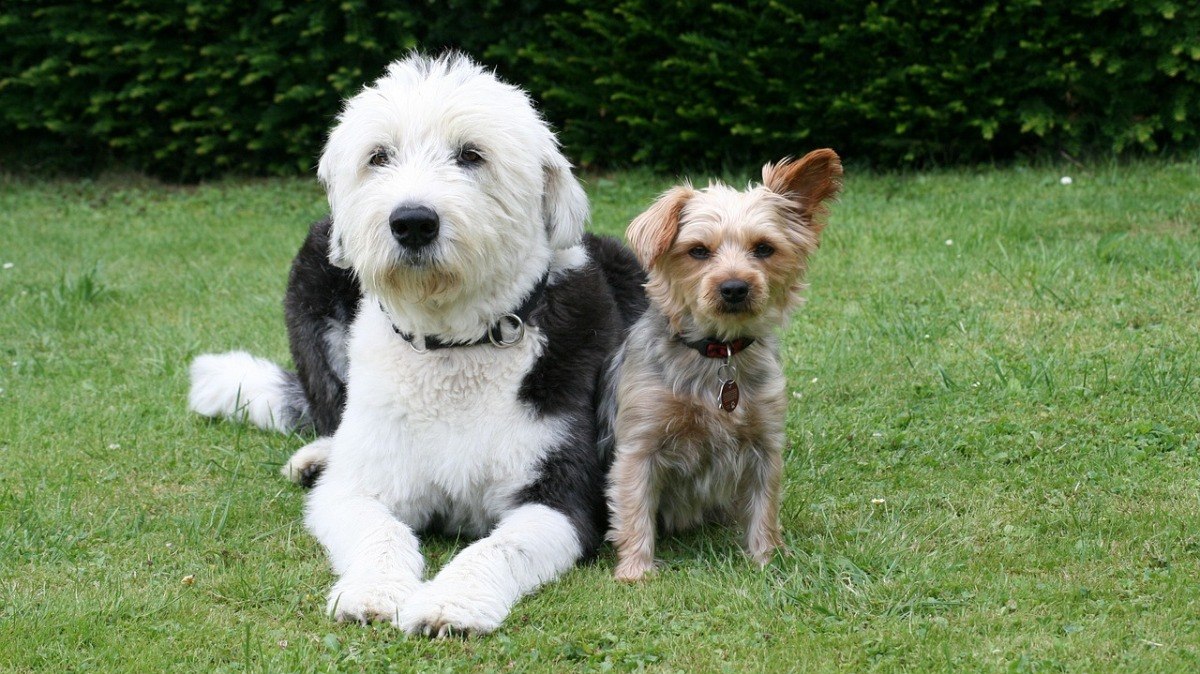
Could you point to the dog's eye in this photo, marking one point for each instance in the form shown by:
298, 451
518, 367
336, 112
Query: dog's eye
469, 156
764, 250
379, 157
700, 253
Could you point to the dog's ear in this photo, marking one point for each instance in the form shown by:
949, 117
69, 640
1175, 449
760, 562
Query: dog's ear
810, 183
564, 204
325, 169
652, 233
337, 254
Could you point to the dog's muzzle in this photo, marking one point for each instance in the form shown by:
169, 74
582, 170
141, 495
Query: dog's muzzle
414, 227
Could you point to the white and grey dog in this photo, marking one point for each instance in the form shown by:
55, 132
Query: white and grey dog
455, 304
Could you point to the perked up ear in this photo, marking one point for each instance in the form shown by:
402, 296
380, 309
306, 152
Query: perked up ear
564, 204
652, 233
810, 182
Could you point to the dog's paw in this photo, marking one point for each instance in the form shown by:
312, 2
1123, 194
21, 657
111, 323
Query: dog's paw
438, 612
763, 553
762, 545
368, 599
633, 569
762, 557
306, 463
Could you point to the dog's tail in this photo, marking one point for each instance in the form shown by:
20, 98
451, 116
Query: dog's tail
239, 386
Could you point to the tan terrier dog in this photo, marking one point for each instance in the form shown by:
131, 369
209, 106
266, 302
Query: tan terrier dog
694, 400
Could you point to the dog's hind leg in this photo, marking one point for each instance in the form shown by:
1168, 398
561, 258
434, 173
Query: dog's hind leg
532, 545
307, 463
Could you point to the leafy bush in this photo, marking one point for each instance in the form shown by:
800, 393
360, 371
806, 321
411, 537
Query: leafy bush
889, 81
189, 90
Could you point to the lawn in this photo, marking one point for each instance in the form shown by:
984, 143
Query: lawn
993, 462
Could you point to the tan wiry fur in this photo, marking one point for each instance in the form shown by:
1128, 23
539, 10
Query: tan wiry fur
680, 459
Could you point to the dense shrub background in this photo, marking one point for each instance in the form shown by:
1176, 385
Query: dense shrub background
192, 89
189, 90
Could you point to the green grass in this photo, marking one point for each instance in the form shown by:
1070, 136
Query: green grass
994, 457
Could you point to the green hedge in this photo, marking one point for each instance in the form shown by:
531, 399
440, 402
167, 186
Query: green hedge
189, 90
888, 81
193, 89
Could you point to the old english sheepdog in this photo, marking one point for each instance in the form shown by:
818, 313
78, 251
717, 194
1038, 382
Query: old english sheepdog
449, 322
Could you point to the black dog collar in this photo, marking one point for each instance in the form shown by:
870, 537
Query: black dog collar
711, 347
494, 334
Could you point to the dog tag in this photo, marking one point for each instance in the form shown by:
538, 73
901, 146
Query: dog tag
729, 395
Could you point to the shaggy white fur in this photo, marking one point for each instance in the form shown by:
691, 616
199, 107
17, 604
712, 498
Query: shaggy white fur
442, 438
449, 439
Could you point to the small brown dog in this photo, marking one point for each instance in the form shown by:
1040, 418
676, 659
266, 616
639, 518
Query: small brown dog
694, 400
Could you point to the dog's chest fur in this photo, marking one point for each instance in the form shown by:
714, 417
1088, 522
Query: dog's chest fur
705, 454
443, 438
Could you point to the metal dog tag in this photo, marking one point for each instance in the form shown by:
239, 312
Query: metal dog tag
729, 395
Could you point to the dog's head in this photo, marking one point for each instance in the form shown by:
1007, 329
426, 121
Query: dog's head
730, 264
447, 189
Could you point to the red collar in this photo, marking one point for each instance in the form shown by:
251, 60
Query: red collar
711, 347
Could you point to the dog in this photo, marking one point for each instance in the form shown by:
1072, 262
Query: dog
694, 402
449, 321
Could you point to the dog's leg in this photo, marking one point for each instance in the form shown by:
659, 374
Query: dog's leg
633, 503
376, 556
761, 498
473, 594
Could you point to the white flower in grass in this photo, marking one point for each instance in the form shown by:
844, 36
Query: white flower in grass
114, 445
1065, 180
8, 265
949, 242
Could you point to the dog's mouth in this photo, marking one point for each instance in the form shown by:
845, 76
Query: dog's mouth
742, 318
422, 259
423, 280
735, 308
744, 309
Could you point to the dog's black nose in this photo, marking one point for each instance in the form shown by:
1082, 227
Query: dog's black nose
414, 226
734, 292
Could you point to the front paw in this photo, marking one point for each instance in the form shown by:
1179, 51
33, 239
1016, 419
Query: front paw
632, 569
763, 552
368, 599
438, 612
